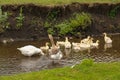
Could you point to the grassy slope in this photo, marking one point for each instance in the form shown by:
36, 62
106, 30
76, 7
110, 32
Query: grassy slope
53, 2
97, 71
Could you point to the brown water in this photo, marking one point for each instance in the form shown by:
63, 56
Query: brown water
12, 61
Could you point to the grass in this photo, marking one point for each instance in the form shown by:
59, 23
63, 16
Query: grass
85, 71
55, 2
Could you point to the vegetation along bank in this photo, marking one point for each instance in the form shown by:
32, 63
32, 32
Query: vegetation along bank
30, 21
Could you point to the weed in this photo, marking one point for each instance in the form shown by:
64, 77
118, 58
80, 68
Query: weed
47, 24
49, 27
70, 26
78, 21
52, 15
64, 28
19, 19
113, 12
3, 20
50, 31
83, 19
51, 19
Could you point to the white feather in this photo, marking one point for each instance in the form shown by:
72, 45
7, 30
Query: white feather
58, 55
30, 50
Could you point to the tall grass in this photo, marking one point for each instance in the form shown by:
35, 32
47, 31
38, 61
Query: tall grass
54, 2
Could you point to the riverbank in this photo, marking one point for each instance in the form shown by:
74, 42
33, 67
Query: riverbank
86, 70
37, 21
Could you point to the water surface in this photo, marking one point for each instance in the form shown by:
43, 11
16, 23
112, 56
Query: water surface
12, 61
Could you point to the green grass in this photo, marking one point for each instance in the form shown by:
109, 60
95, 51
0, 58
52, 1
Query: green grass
85, 71
54, 2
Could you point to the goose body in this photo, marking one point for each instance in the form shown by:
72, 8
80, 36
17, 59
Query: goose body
95, 44
7, 40
46, 47
107, 39
55, 52
67, 43
58, 55
90, 41
85, 40
76, 46
61, 43
85, 45
55, 47
30, 50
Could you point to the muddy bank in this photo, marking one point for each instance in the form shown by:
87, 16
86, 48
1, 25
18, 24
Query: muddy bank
105, 18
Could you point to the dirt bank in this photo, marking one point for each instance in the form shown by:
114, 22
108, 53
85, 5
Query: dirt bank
105, 18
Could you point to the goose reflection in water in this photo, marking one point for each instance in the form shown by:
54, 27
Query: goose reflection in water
67, 52
107, 46
29, 64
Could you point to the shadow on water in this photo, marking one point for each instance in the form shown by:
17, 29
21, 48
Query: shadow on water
12, 61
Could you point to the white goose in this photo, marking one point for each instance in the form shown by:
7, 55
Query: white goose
46, 47
61, 43
85, 40
76, 46
85, 45
55, 52
58, 55
91, 41
67, 43
107, 39
95, 44
7, 40
30, 50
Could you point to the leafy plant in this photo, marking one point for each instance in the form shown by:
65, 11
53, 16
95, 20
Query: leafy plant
20, 19
82, 20
74, 22
70, 26
113, 12
52, 15
3, 20
49, 27
50, 31
51, 19
47, 24
64, 28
